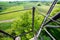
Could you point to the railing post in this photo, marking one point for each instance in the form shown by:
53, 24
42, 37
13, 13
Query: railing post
33, 14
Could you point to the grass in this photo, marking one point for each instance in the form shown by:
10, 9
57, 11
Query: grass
11, 27
12, 15
4, 26
17, 14
18, 25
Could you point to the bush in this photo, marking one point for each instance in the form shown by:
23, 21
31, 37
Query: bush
39, 5
58, 2
24, 24
1, 9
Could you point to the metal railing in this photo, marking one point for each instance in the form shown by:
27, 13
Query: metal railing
14, 37
44, 23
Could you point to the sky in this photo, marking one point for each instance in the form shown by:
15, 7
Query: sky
25, 0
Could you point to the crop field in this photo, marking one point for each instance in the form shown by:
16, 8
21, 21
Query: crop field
16, 22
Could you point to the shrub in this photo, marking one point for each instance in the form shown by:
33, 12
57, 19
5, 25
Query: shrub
58, 2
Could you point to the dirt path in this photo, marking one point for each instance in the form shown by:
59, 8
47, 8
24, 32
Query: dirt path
10, 20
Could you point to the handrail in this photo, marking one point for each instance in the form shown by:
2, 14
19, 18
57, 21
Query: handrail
54, 18
14, 11
14, 37
48, 13
52, 26
51, 19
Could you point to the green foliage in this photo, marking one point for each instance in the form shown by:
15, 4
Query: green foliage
58, 2
2, 8
55, 31
23, 22
55, 10
39, 5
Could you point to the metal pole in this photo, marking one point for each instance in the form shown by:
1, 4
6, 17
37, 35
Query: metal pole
51, 26
54, 18
48, 13
33, 14
49, 34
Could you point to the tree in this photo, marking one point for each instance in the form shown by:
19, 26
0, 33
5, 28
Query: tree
1, 9
58, 2
39, 5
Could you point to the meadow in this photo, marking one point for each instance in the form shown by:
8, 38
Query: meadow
23, 19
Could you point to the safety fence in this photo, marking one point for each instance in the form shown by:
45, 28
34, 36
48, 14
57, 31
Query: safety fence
44, 23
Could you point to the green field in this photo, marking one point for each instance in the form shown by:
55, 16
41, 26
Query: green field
23, 19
